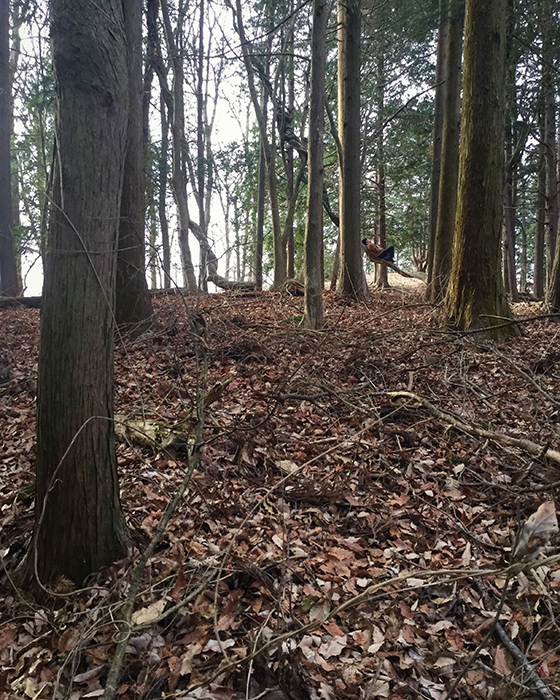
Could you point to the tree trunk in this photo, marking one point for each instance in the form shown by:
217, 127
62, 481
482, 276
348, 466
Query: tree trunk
447, 195
162, 197
313, 303
9, 282
475, 295
351, 280
510, 277
382, 280
549, 31
437, 131
538, 263
280, 252
78, 522
133, 308
178, 167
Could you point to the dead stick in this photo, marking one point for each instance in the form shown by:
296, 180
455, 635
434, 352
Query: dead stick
532, 448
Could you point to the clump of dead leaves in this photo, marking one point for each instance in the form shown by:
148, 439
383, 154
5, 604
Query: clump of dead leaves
315, 491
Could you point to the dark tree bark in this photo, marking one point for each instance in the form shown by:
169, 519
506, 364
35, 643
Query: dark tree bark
313, 303
538, 263
78, 523
381, 277
475, 295
9, 282
510, 188
351, 279
447, 195
162, 197
261, 200
437, 131
550, 125
133, 302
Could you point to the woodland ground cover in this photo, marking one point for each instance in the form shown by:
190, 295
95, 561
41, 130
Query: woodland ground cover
318, 481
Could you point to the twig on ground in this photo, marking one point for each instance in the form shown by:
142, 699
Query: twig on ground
531, 447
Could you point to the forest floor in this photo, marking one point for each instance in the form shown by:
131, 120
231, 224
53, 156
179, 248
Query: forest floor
338, 539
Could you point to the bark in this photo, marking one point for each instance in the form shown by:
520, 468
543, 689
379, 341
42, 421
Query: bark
538, 263
200, 151
548, 91
162, 197
381, 270
437, 132
447, 195
78, 522
551, 155
351, 279
313, 302
9, 283
475, 294
261, 198
510, 278
178, 177
133, 308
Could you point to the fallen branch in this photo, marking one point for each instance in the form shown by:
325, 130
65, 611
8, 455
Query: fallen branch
412, 275
16, 302
521, 660
532, 448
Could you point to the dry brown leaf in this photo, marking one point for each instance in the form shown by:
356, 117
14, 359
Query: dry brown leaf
537, 532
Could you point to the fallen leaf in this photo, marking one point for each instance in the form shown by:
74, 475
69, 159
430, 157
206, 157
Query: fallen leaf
146, 615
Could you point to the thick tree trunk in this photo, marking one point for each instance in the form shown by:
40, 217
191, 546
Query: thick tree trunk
313, 303
78, 524
351, 280
133, 308
9, 283
447, 196
475, 295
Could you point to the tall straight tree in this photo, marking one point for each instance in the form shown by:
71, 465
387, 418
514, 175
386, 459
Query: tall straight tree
78, 523
178, 177
475, 294
449, 158
549, 97
437, 131
9, 283
351, 279
133, 303
313, 313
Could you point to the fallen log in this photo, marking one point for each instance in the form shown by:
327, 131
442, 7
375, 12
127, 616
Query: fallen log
16, 302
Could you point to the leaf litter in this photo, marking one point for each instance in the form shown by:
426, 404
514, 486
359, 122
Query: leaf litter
319, 507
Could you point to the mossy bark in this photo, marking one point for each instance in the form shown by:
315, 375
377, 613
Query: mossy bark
475, 295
